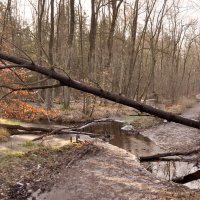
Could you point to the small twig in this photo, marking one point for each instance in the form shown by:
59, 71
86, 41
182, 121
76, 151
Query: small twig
50, 133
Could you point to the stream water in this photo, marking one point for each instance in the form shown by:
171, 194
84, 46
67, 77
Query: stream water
143, 146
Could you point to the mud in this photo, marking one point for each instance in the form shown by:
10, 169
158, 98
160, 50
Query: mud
171, 136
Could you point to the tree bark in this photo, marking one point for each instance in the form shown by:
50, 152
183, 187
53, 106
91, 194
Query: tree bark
161, 155
49, 130
188, 178
67, 81
49, 92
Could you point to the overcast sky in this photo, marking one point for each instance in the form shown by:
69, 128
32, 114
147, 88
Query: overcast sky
191, 7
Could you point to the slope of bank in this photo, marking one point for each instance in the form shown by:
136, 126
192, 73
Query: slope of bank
172, 136
84, 171
113, 173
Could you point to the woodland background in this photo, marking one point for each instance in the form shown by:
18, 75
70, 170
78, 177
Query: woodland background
140, 49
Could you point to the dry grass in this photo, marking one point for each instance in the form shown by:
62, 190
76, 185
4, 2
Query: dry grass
144, 122
4, 135
74, 113
181, 105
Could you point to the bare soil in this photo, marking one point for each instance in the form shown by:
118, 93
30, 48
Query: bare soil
172, 137
83, 171
21, 175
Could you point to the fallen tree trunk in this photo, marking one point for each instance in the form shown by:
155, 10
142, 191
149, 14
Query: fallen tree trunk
48, 130
188, 178
67, 81
160, 157
174, 159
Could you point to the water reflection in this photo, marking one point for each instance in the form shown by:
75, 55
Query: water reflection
171, 170
134, 143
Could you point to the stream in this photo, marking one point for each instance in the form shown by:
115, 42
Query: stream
139, 144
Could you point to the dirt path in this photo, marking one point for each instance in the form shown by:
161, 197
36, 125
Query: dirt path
172, 136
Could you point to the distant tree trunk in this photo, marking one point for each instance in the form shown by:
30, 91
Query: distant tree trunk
67, 91
41, 6
127, 87
92, 67
49, 92
115, 10
5, 21
92, 38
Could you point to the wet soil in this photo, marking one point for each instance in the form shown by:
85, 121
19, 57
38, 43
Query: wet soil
171, 136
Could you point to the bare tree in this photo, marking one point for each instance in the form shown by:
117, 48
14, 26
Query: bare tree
49, 92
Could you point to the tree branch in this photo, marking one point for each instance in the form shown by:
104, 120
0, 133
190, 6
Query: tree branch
188, 178
157, 157
31, 88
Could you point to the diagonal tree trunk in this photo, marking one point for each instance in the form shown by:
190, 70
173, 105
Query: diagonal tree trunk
67, 81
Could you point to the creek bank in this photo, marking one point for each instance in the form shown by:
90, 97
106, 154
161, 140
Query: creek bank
113, 174
84, 171
176, 137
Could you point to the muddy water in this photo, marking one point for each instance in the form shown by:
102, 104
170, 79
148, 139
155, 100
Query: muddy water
128, 140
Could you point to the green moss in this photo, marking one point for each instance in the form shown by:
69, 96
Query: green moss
14, 154
27, 144
10, 121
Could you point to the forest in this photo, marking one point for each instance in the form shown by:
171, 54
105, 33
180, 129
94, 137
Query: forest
84, 82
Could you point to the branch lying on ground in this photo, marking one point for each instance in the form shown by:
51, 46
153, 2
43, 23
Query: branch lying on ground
61, 131
159, 157
90, 123
49, 131
188, 178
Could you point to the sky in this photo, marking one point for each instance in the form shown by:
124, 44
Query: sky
193, 7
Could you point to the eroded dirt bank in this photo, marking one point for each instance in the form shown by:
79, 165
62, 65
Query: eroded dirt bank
113, 173
84, 171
